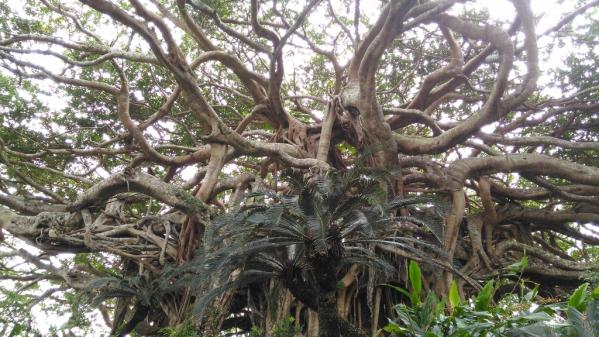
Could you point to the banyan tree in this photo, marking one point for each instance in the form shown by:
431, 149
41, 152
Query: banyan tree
226, 164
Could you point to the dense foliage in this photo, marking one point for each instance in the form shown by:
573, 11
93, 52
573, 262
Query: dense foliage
512, 314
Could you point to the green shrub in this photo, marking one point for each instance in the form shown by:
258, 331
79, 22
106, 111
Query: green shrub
512, 315
184, 330
283, 328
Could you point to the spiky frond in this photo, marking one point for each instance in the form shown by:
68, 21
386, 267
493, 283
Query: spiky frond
146, 291
324, 223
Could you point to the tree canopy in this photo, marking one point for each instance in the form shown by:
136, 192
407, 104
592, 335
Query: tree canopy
133, 132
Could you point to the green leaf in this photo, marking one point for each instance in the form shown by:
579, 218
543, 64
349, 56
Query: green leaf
580, 323
519, 266
579, 297
593, 314
483, 299
540, 329
538, 316
392, 327
454, 295
16, 330
524, 262
428, 311
415, 276
399, 289
529, 296
406, 317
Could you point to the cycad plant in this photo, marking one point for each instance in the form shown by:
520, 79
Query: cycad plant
139, 291
304, 239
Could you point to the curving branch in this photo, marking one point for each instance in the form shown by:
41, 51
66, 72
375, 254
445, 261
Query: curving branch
137, 181
521, 163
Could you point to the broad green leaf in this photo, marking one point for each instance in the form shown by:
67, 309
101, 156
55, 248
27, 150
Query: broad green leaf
415, 276
483, 299
538, 316
454, 295
579, 297
540, 329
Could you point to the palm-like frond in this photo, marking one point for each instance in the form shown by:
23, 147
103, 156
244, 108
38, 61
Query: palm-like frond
148, 292
327, 222
241, 280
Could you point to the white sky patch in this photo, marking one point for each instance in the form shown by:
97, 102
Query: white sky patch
102, 173
188, 172
490, 128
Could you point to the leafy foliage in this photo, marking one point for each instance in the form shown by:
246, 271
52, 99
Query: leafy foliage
303, 238
283, 328
447, 95
512, 315
184, 330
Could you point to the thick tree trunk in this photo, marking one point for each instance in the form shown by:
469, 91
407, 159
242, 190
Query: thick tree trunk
331, 324
328, 316
139, 315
